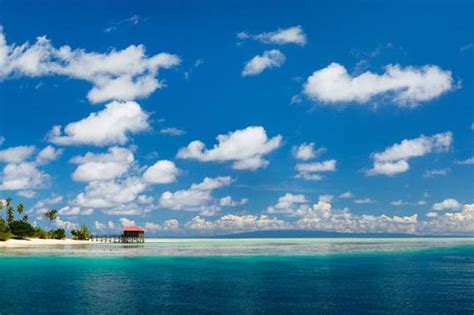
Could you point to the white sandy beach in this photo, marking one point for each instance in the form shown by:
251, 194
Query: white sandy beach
40, 242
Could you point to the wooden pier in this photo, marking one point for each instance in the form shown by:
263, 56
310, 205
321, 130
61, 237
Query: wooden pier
130, 234
116, 239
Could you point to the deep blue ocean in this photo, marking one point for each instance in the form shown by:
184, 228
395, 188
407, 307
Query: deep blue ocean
433, 281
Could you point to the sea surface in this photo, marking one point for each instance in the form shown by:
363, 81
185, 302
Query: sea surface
242, 276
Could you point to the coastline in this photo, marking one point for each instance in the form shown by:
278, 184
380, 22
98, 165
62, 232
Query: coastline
40, 242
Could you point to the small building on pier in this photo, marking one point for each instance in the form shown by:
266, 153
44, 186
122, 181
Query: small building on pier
130, 234
133, 231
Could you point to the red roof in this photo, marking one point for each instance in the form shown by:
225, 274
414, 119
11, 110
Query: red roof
133, 228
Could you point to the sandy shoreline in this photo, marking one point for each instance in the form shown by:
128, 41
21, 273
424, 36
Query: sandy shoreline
40, 242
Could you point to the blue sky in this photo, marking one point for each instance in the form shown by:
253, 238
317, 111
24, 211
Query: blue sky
338, 116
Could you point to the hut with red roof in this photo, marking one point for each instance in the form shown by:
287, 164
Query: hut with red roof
133, 233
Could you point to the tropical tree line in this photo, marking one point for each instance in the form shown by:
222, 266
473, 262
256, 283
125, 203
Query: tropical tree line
20, 228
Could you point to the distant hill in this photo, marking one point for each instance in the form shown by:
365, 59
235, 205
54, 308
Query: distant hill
321, 234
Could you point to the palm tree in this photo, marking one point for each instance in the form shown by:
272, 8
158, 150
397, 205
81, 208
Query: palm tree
10, 210
25, 218
20, 208
51, 215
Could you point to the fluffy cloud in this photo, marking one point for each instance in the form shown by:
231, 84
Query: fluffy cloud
447, 204
310, 171
144, 199
110, 126
23, 176
167, 225
29, 194
270, 59
322, 216
236, 223
227, 201
116, 184
393, 160
306, 151
43, 205
291, 35
104, 166
346, 222
450, 222
162, 172
197, 198
289, 204
48, 154
245, 148
126, 222
110, 193
67, 225
389, 168
16, 154
406, 87
21, 171
104, 226
68, 210
130, 208
124, 75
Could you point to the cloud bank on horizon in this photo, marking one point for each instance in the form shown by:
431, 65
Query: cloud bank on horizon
242, 159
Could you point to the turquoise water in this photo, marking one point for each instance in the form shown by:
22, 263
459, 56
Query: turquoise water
349, 276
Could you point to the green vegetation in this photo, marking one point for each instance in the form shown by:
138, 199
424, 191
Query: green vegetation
40, 233
4, 230
82, 233
58, 234
21, 228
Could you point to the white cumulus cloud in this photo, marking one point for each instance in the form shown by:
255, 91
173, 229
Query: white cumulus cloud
306, 151
16, 154
110, 126
123, 75
197, 198
245, 148
405, 86
447, 204
394, 159
237, 223
126, 222
22, 169
269, 59
310, 171
162, 172
110, 193
103, 166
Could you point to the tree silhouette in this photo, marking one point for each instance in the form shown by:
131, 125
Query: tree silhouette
51, 215
10, 210
20, 208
